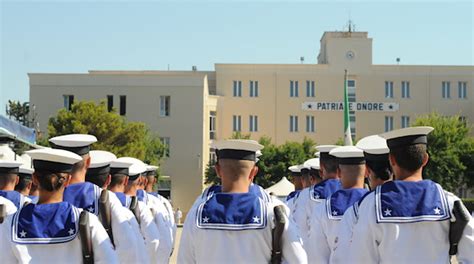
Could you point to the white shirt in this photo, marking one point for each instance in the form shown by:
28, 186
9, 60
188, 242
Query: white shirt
68, 252
165, 229
243, 246
420, 242
9, 206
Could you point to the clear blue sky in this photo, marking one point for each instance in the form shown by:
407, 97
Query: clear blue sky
76, 37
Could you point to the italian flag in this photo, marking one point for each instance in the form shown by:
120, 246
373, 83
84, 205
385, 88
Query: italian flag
347, 126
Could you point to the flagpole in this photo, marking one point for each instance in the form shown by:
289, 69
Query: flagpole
347, 126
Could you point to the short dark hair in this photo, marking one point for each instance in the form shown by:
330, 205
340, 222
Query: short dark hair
7, 178
116, 179
23, 182
381, 169
97, 179
330, 165
78, 166
409, 158
51, 181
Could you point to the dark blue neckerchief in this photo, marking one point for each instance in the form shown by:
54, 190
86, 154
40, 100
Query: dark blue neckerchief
124, 199
356, 205
34, 199
232, 211
409, 202
15, 197
292, 195
254, 188
339, 201
83, 195
324, 189
142, 196
154, 194
45, 224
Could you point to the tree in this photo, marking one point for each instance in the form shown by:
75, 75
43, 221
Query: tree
113, 132
19, 112
451, 151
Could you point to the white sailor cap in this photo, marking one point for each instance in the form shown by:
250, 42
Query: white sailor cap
324, 151
25, 171
312, 163
138, 167
237, 149
348, 155
407, 136
258, 154
317, 154
100, 162
119, 167
77, 143
9, 166
54, 160
374, 147
151, 170
295, 170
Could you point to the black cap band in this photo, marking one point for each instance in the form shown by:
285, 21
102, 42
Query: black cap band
151, 173
5, 170
45, 165
81, 151
407, 141
134, 177
326, 156
296, 174
114, 171
304, 171
351, 161
314, 171
235, 154
98, 171
375, 157
25, 176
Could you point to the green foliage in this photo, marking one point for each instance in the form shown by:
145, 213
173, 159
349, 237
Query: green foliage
113, 132
451, 151
239, 135
274, 162
19, 112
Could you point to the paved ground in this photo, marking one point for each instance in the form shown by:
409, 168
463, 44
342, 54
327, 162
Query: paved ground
176, 246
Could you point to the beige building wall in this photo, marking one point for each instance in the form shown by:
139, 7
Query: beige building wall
194, 95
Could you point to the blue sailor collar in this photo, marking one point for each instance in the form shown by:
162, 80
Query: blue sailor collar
15, 197
142, 196
45, 224
34, 198
254, 188
409, 202
339, 201
154, 194
292, 195
83, 195
356, 206
324, 189
232, 211
124, 199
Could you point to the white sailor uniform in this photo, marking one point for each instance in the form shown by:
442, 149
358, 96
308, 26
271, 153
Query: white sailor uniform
239, 221
10, 207
48, 233
408, 222
325, 221
86, 195
18, 199
164, 228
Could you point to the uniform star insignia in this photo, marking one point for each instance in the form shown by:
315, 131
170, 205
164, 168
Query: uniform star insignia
90, 209
256, 219
23, 233
71, 232
387, 212
334, 212
437, 210
205, 219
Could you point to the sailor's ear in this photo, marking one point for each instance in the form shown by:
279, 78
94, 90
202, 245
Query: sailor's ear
426, 158
217, 168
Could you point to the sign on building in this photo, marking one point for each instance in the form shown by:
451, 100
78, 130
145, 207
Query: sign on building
353, 106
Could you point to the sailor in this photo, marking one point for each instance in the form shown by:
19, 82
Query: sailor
49, 232
378, 171
160, 215
310, 198
86, 195
235, 222
98, 173
8, 180
125, 181
315, 177
25, 183
411, 220
327, 216
296, 179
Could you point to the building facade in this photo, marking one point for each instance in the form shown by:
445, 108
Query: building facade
286, 102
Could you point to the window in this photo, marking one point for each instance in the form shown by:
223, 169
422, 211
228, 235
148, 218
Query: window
123, 105
405, 121
388, 123
462, 90
166, 142
310, 124
212, 125
446, 89
212, 156
309, 88
236, 123
253, 126
68, 101
110, 102
253, 88
165, 106
293, 88
293, 123
237, 88
405, 89
388, 89
351, 84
